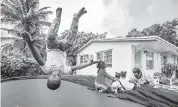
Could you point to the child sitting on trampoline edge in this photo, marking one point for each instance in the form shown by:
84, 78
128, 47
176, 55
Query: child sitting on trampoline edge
140, 78
122, 83
56, 50
100, 84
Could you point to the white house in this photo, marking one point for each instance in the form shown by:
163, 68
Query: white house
123, 54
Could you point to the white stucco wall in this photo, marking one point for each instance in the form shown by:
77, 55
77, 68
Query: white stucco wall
121, 57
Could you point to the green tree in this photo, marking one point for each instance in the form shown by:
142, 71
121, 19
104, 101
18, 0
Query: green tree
82, 39
24, 16
167, 31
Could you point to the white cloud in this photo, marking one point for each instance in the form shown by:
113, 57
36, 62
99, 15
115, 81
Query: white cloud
137, 14
90, 22
117, 17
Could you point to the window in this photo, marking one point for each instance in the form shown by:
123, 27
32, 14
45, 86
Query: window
81, 59
85, 58
149, 61
138, 56
105, 56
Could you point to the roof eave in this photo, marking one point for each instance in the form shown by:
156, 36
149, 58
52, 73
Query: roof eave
148, 38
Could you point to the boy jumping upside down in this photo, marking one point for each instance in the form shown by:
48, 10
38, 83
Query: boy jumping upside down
56, 50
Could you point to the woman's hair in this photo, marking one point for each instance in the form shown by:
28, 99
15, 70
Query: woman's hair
101, 64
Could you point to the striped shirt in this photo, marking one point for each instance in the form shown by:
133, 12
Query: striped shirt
143, 80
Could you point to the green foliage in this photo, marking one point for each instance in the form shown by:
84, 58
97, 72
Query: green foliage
24, 16
166, 31
17, 65
82, 38
19, 46
17, 60
168, 69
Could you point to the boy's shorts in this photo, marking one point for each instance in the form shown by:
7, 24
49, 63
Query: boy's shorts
101, 86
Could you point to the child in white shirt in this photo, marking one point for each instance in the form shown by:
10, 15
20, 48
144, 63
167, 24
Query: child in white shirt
56, 50
122, 83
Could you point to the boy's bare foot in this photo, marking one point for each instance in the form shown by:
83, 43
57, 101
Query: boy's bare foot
81, 12
58, 12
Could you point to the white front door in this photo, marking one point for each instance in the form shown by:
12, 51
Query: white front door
149, 63
138, 59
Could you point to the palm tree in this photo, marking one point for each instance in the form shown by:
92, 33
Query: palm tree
24, 16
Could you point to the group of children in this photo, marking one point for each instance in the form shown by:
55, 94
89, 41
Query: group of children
120, 82
55, 63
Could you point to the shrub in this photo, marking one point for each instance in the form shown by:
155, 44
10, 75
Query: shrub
168, 70
17, 65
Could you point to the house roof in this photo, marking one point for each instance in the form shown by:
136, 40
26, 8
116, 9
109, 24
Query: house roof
129, 39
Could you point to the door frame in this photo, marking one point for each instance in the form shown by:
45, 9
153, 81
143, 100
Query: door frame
134, 51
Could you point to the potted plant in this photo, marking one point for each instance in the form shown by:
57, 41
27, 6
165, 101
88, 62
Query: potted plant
169, 70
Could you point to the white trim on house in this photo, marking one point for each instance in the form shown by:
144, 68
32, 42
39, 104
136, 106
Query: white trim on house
127, 39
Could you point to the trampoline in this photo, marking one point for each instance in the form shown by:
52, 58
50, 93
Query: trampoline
34, 93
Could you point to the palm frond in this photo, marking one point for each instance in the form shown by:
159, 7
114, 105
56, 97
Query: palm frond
8, 12
18, 5
13, 1
44, 12
33, 16
12, 31
43, 15
34, 3
8, 20
43, 23
12, 5
19, 26
22, 6
25, 17
31, 4
42, 9
30, 13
